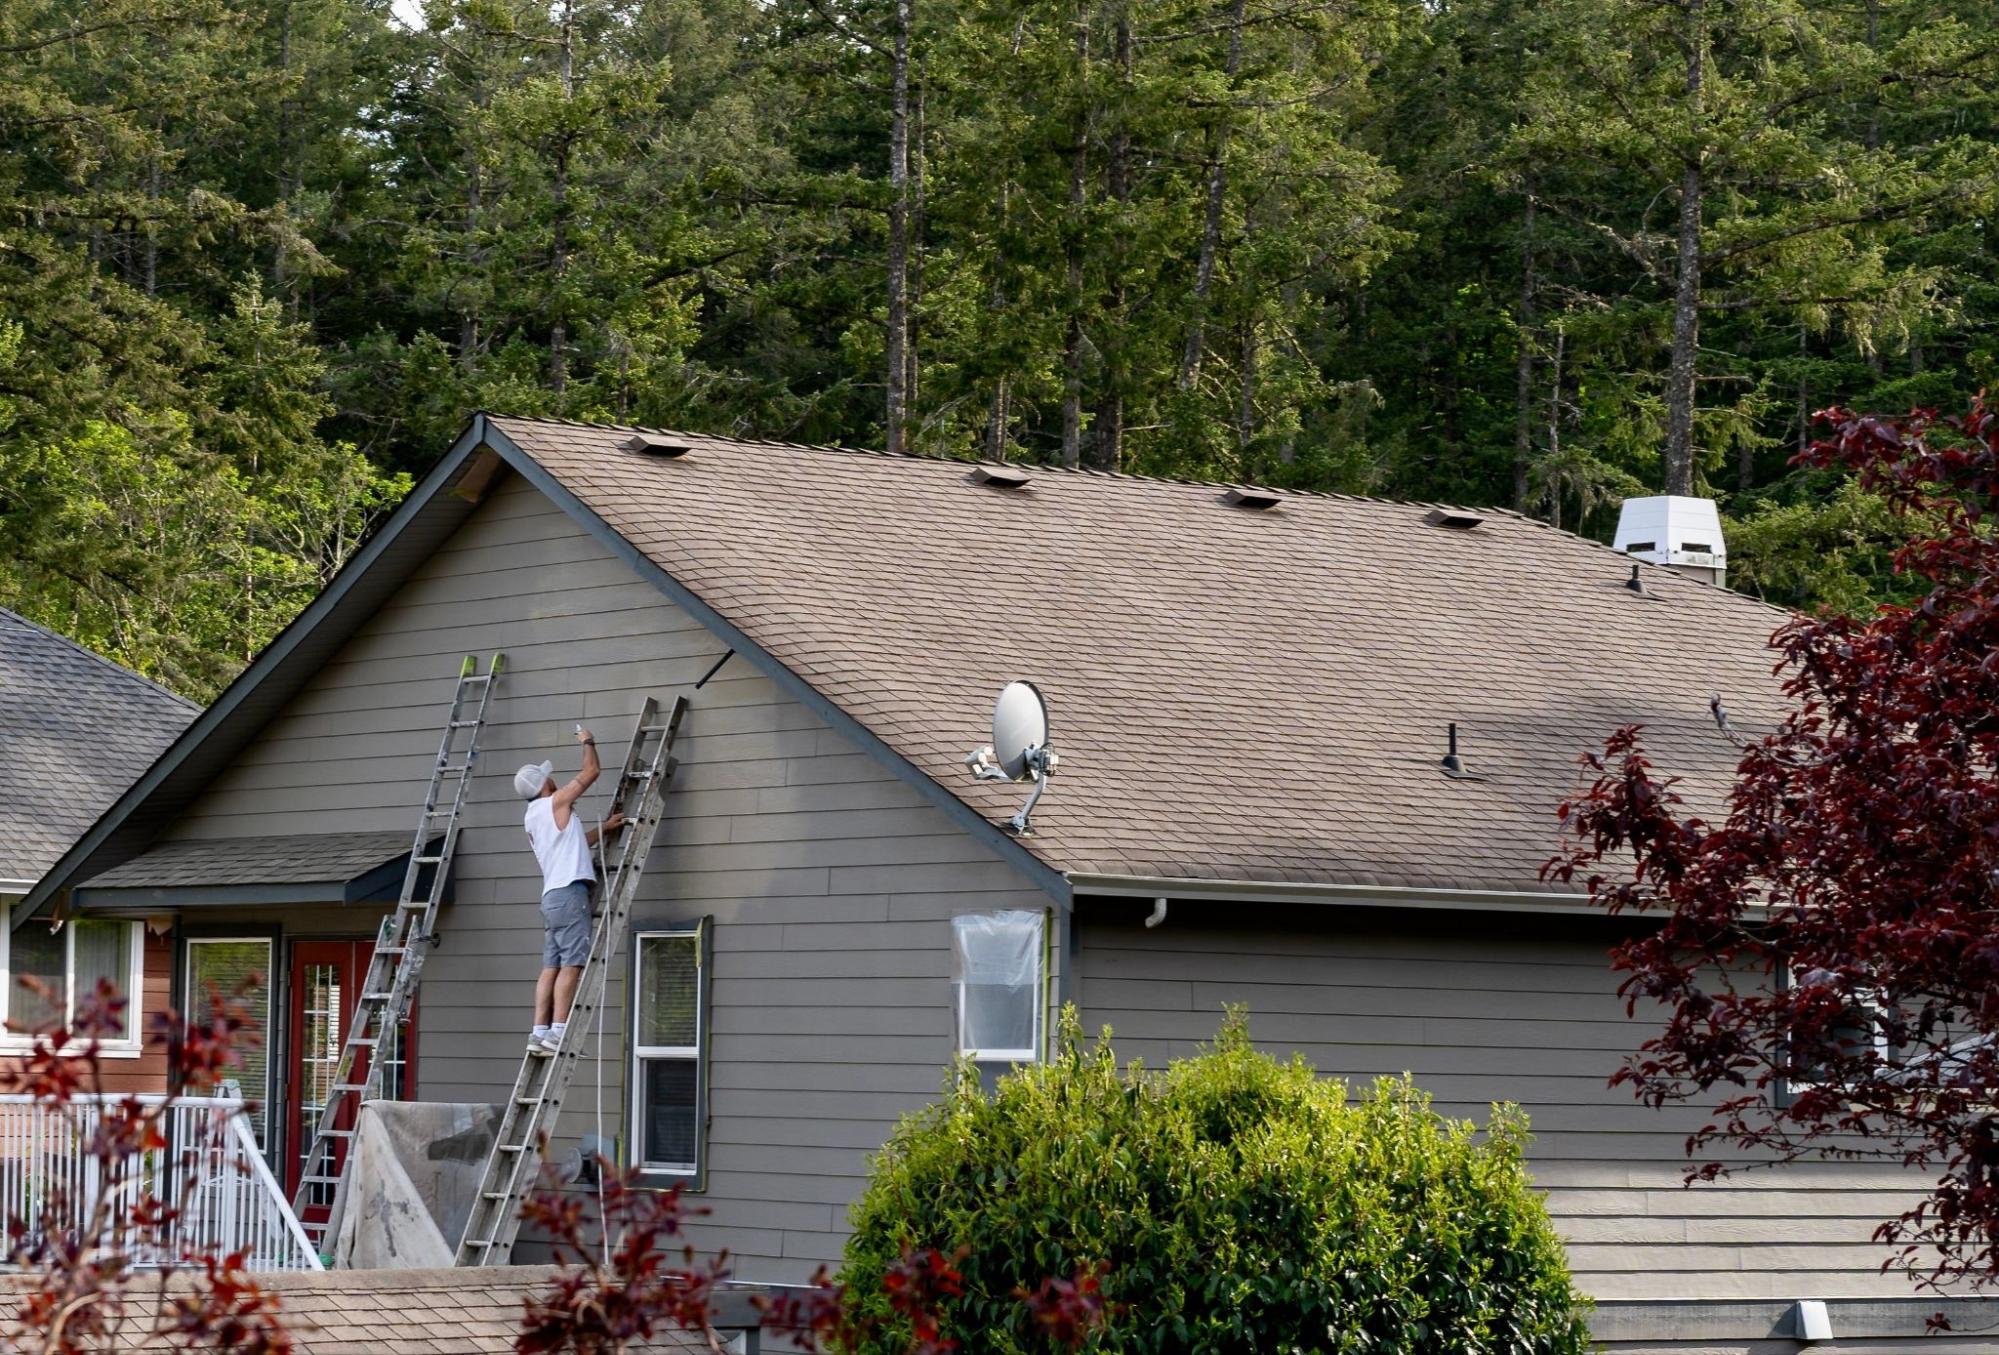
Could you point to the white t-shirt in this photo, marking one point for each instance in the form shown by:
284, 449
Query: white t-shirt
562, 853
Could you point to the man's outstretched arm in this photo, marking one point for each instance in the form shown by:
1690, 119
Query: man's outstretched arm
566, 797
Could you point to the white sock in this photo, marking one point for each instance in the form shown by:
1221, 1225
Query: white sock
555, 1031
541, 1032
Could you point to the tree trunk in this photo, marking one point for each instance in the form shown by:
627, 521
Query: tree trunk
558, 330
1682, 374
1108, 442
913, 362
1555, 426
1523, 364
1072, 340
996, 426
1211, 221
896, 357
1245, 419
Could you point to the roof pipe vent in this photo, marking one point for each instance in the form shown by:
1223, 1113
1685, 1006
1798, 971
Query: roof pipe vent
995, 475
1635, 583
1453, 519
1452, 764
1258, 499
1681, 533
655, 444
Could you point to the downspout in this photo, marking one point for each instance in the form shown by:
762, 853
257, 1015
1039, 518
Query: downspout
1158, 914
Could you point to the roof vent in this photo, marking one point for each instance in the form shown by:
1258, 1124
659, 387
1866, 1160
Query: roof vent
1259, 499
1454, 518
999, 476
1682, 533
1454, 765
659, 445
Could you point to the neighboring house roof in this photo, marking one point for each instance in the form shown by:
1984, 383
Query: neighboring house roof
1237, 695
75, 730
465, 1311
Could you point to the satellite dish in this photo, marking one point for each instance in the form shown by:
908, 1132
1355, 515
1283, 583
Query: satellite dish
1019, 750
1020, 725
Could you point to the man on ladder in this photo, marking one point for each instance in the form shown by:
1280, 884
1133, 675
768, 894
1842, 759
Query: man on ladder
562, 850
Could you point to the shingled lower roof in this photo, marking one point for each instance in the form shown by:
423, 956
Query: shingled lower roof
75, 731
293, 868
1237, 695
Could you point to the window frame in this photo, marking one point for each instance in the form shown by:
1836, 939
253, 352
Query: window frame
1874, 1010
1034, 1054
693, 1177
132, 1044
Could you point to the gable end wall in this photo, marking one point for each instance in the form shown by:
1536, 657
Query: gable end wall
829, 881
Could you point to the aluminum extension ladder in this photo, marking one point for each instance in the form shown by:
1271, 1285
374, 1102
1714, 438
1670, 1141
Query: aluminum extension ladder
402, 943
528, 1120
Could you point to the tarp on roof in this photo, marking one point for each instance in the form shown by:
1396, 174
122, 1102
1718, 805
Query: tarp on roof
293, 868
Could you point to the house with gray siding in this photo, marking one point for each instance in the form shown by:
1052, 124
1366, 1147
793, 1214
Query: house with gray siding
1251, 695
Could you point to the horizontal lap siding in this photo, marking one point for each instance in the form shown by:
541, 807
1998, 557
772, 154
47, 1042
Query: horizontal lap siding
829, 881
1482, 1009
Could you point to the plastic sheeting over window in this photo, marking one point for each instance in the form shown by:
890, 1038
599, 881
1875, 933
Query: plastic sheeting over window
996, 964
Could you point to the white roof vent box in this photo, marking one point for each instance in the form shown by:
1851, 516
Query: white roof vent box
1676, 531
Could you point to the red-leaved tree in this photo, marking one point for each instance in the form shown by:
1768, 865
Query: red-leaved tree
1828, 949
108, 1251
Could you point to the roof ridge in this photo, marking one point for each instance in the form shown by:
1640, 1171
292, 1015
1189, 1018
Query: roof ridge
90, 653
1036, 466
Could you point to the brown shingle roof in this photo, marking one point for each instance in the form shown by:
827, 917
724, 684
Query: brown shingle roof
468, 1311
1236, 695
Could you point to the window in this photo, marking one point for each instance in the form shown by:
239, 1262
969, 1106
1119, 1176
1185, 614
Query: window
70, 961
997, 966
669, 1030
1859, 1041
230, 964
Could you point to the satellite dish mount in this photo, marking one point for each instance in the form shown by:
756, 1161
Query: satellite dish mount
1019, 750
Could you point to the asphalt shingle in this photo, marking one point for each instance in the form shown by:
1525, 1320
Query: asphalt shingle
1236, 695
75, 731
304, 858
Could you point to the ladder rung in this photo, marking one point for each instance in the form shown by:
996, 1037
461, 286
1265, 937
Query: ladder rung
318, 1181
342, 1088
376, 997
426, 860
369, 1040
512, 1147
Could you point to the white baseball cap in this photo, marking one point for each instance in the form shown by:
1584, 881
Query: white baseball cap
529, 780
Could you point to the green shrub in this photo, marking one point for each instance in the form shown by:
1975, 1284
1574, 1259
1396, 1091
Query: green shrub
1241, 1205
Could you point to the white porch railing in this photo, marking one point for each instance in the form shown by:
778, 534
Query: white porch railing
211, 1175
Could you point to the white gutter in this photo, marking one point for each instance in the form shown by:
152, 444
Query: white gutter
1363, 896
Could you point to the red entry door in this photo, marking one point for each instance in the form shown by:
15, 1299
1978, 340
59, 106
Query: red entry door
325, 985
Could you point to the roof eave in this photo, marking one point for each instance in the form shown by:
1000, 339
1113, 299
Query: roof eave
1352, 895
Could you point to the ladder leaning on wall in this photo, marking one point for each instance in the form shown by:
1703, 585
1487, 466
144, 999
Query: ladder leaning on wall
402, 944
528, 1119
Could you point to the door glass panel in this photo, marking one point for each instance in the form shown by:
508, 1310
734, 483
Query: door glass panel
319, 1035
241, 971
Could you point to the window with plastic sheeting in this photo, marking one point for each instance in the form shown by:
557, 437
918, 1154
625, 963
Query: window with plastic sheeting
669, 1037
998, 966
68, 964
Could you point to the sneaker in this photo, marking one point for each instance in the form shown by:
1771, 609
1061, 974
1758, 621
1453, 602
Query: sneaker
548, 1044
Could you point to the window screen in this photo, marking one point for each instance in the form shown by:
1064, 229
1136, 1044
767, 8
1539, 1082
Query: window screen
667, 1048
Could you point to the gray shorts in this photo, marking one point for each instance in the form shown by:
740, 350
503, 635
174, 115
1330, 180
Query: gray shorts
565, 919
